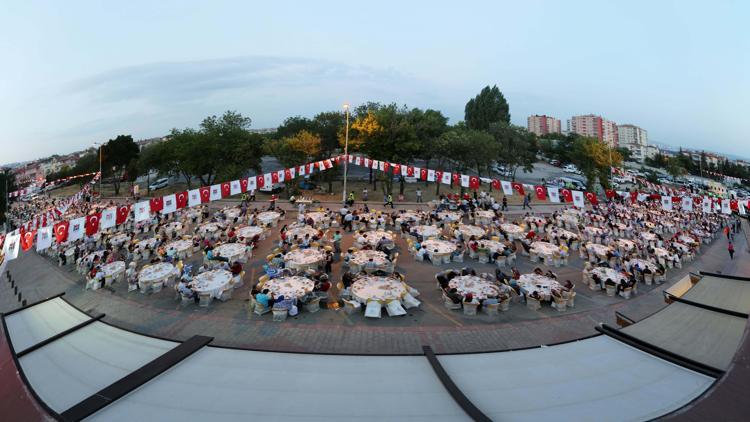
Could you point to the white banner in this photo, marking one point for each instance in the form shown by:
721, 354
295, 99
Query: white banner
43, 238
666, 202
170, 204
267, 181
280, 175
554, 194
109, 218
215, 193
142, 210
252, 183
430, 175
235, 188
687, 203
741, 207
76, 228
465, 180
10, 247
507, 187
194, 197
578, 199
725, 207
446, 178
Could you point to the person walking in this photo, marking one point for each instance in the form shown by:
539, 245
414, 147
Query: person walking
350, 201
730, 248
364, 194
526, 201
388, 201
505, 204
419, 195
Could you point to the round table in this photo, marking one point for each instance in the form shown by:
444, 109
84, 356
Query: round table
409, 216
530, 283
533, 219
450, 216
300, 230
681, 246
598, 249
113, 270
609, 273
642, 264
625, 244
119, 240
213, 282
438, 250
90, 257
209, 228
303, 259
479, 287
492, 245
155, 273
687, 240
269, 218
317, 217
231, 213
544, 248
468, 230
289, 287
232, 251
173, 227
249, 232
361, 258
483, 217
562, 233
373, 237
149, 243
661, 252
513, 230
182, 247
380, 289
426, 231
648, 236
593, 231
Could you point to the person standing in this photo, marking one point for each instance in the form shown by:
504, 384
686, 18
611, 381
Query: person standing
730, 248
526, 201
505, 204
350, 201
364, 194
419, 195
388, 201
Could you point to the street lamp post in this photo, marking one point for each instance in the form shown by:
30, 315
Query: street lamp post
100, 167
346, 150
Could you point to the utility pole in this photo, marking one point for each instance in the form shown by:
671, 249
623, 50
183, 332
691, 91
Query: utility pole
346, 151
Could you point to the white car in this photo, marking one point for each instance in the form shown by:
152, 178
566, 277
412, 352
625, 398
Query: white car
570, 168
159, 183
272, 188
501, 170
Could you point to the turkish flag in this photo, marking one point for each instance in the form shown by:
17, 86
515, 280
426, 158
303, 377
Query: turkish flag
243, 184
27, 239
287, 174
456, 178
697, 200
410, 171
181, 200
226, 189
591, 196
396, 168
495, 184
541, 193
567, 195
474, 183
609, 193
386, 166
261, 181
205, 194
633, 197
156, 204
328, 164
92, 224
61, 231
423, 174
733, 205
518, 188
274, 177
123, 211
676, 199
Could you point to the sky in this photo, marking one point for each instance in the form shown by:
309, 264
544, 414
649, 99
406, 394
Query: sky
75, 73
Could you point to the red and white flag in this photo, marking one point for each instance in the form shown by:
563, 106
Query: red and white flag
181, 200
226, 189
156, 204
92, 224
474, 182
205, 194
541, 193
123, 213
518, 188
566, 194
61, 231
27, 239
243, 184
10, 247
591, 196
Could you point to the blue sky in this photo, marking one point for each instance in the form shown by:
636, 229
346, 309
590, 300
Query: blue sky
79, 72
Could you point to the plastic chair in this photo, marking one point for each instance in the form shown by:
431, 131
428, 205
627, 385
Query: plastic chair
373, 309
394, 308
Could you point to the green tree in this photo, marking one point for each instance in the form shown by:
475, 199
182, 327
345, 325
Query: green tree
7, 184
595, 159
675, 167
116, 156
517, 147
488, 107
294, 150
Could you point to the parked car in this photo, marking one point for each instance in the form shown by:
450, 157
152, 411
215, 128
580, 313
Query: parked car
571, 168
555, 163
567, 182
501, 170
272, 188
410, 179
159, 184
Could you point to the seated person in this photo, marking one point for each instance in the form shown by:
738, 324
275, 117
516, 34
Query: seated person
264, 298
453, 295
236, 268
283, 303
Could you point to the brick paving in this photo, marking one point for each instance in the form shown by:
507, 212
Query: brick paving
332, 331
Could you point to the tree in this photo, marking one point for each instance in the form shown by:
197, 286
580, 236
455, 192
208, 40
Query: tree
293, 125
517, 147
327, 126
467, 149
116, 156
7, 180
595, 159
293, 151
625, 153
675, 168
429, 126
487, 108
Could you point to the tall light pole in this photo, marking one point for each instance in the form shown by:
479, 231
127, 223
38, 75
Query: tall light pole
346, 150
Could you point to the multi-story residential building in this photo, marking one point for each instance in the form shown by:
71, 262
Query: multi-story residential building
542, 125
633, 138
594, 126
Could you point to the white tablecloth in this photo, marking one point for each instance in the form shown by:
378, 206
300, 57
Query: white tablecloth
119, 240
213, 282
231, 251
268, 218
442, 246
544, 248
173, 227
647, 236
426, 231
492, 245
609, 273
626, 244
155, 273
361, 258
300, 259
249, 232
512, 229
477, 286
289, 287
469, 230
381, 289
373, 237
450, 216
114, 269
204, 229
533, 282
598, 249
300, 230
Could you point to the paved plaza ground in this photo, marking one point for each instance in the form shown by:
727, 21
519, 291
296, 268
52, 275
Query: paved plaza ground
333, 331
